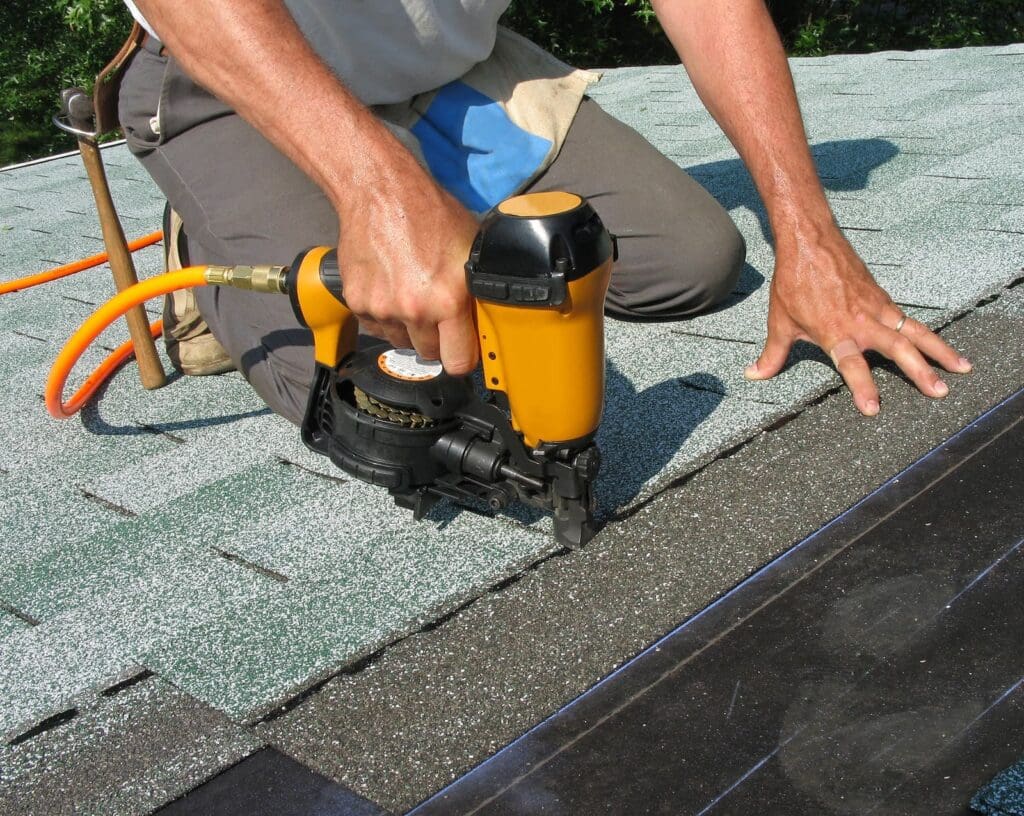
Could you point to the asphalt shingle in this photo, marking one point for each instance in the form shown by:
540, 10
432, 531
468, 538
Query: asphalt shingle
512, 657
9, 623
121, 754
188, 531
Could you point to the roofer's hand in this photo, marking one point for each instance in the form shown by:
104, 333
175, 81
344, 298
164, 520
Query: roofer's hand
404, 241
402, 255
825, 294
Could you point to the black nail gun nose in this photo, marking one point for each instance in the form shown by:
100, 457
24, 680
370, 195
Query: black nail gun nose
538, 270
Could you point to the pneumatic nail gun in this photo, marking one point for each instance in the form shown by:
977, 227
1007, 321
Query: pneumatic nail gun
538, 271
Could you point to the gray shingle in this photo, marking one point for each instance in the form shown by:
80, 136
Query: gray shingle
121, 755
10, 623
94, 510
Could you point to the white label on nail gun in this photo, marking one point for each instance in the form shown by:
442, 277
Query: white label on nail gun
406, 364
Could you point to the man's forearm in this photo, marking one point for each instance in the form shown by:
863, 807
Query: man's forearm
735, 60
403, 240
821, 290
253, 57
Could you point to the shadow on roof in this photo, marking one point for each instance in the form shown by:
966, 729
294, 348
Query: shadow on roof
843, 165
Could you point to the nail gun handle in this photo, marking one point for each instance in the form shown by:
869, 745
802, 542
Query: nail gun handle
315, 290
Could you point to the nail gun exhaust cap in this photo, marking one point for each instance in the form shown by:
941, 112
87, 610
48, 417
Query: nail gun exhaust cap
531, 205
406, 364
530, 246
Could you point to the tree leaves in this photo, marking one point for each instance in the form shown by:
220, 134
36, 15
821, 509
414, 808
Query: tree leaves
50, 45
816, 27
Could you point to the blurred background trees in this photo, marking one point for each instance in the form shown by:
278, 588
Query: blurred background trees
48, 45
610, 33
52, 44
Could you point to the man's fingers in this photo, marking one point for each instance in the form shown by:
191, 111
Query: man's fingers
899, 348
425, 341
772, 359
396, 335
934, 346
853, 368
372, 328
459, 347
452, 341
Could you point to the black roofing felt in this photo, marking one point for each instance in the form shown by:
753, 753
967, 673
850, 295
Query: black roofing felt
147, 534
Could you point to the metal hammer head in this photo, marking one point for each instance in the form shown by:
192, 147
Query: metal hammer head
77, 114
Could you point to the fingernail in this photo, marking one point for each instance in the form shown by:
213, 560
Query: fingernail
871, 407
750, 372
941, 389
965, 365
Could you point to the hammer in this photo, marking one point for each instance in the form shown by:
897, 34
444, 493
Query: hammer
77, 117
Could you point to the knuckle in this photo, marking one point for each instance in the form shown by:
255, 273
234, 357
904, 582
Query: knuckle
915, 330
412, 311
355, 299
448, 304
427, 347
846, 349
920, 370
458, 364
901, 345
851, 370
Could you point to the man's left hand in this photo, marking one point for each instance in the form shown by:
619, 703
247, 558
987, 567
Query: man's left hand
823, 293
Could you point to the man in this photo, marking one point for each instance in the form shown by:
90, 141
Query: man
284, 152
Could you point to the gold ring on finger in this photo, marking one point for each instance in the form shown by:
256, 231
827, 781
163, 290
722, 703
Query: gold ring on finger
903, 319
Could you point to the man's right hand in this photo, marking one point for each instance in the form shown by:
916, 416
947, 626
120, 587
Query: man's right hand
402, 255
404, 240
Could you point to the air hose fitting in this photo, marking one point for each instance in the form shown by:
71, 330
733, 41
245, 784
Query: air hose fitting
263, 278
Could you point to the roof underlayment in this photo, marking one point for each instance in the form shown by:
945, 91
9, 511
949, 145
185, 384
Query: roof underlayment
187, 533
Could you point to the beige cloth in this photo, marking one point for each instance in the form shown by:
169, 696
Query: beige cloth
538, 92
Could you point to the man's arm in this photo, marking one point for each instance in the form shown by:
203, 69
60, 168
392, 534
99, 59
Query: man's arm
821, 290
404, 240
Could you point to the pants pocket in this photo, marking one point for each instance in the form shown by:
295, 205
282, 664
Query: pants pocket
139, 105
183, 104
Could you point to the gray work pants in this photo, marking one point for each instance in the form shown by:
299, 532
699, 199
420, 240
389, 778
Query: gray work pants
242, 201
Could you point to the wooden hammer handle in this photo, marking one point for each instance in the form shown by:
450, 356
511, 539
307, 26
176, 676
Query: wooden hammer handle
151, 372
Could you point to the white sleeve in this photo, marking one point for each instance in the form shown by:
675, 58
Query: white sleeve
142, 20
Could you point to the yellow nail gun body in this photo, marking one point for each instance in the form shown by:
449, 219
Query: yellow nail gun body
538, 271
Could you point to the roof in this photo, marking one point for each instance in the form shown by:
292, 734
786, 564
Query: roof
185, 541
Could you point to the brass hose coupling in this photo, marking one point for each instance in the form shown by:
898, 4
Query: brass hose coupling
262, 278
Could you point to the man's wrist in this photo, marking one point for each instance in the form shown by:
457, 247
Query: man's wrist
384, 170
807, 223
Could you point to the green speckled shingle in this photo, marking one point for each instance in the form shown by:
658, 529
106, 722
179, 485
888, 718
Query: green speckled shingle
187, 530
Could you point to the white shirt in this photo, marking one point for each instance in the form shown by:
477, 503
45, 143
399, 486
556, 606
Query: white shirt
388, 51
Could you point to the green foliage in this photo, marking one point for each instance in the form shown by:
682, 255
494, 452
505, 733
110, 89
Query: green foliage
817, 27
49, 45
610, 33
53, 44
593, 33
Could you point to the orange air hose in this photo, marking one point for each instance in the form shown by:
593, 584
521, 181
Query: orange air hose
77, 266
92, 328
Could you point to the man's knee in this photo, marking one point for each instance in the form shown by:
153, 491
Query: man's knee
721, 268
681, 279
